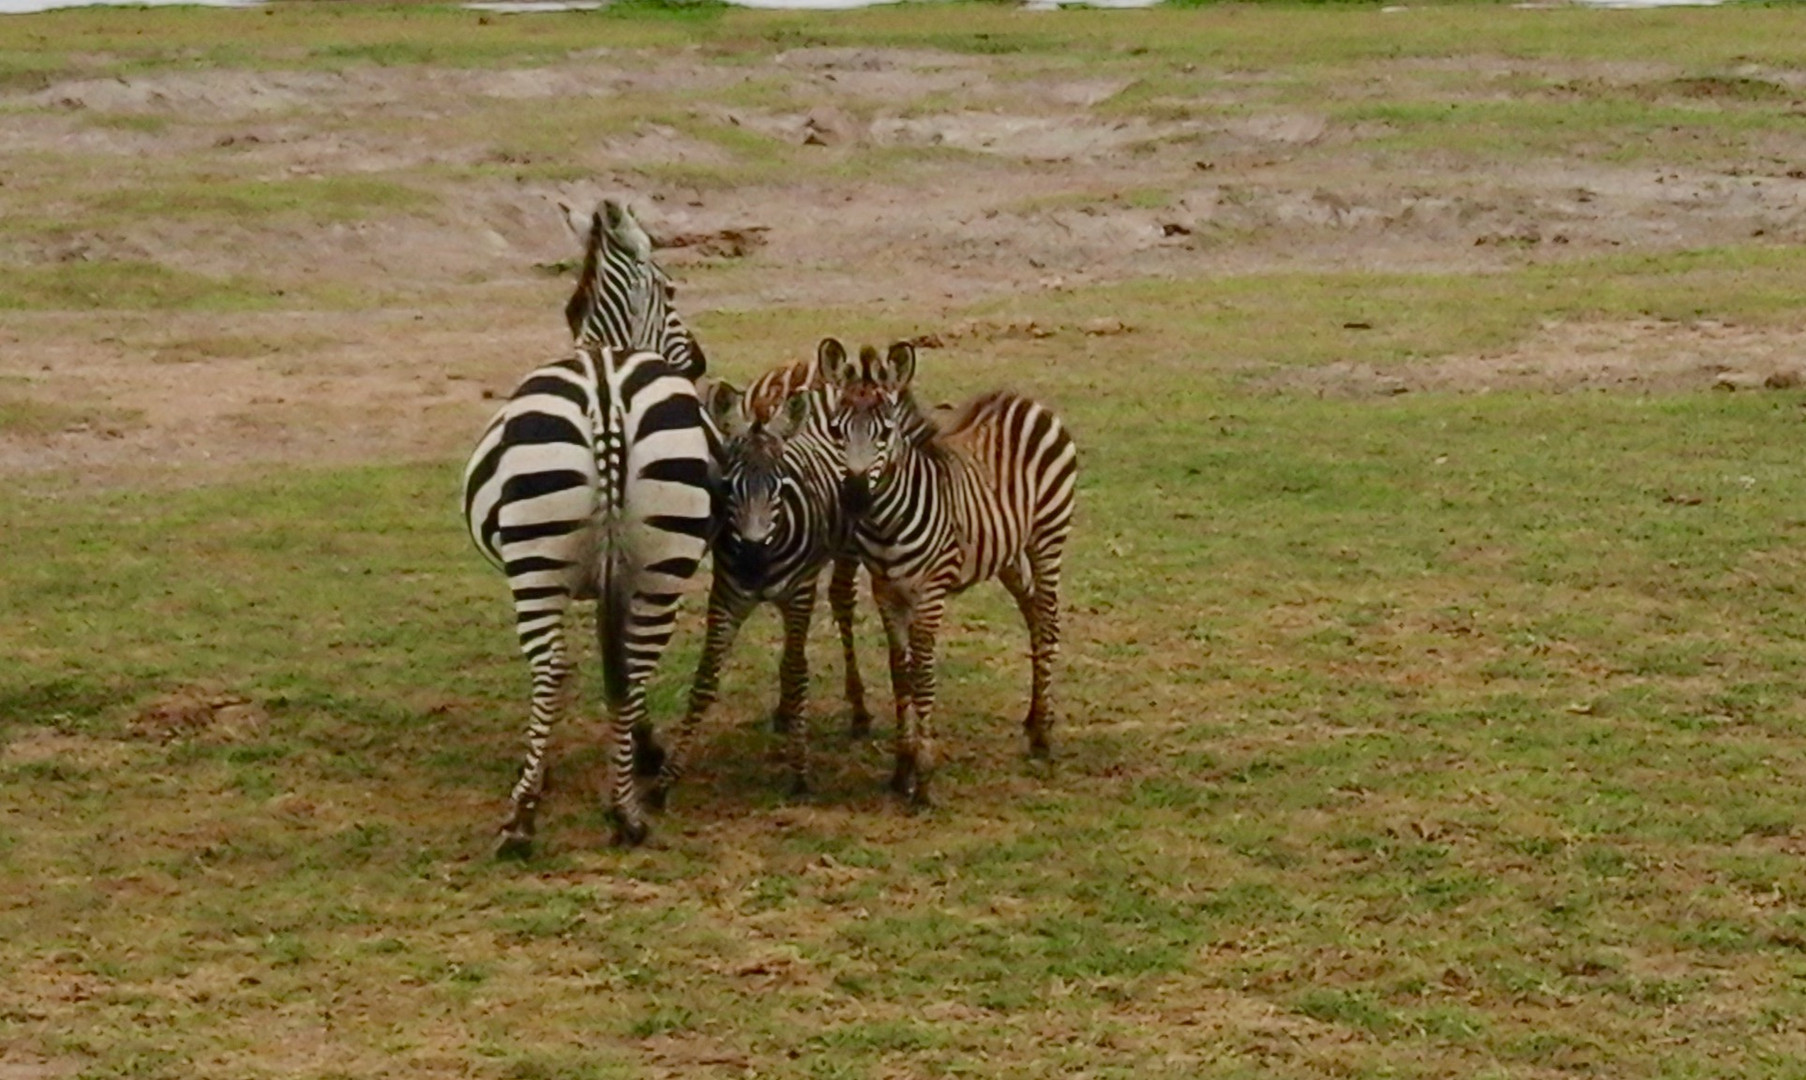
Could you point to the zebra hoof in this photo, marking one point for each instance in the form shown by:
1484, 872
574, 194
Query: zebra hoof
514, 844
780, 723
860, 726
799, 787
902, 778
629, 833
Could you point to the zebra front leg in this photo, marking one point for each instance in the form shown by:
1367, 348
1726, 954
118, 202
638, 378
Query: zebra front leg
894, 611
924, 628
793, 682
842, 596
728, 609
542, 640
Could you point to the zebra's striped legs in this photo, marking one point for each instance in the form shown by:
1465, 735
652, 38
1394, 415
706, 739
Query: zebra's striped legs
842, 593
728, 609
793, 682
1037, 597
623, 799
894, 610
651, 617
924, 629
540, 623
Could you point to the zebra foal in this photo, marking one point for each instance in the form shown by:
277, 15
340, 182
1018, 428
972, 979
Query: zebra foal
779, 525
593, 482
940, 504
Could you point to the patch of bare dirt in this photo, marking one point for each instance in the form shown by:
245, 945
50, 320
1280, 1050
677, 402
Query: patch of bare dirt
1041, 187
205, 713
1646, 356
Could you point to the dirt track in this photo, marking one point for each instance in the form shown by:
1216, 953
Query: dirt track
438, 306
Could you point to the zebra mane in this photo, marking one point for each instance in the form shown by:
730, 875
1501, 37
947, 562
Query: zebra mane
919, 428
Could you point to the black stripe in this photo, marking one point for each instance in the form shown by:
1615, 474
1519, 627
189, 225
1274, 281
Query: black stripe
674, 413
539, 592
480, 474
687, 526
693, 472
555, 386
539, 530
533, 485
641, 375
538, 429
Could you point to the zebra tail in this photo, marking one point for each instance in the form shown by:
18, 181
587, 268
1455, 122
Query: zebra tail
616, 607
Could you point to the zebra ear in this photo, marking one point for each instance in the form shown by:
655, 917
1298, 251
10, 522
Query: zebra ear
723, 404
899, 366
833, 364
790, 416
622, 229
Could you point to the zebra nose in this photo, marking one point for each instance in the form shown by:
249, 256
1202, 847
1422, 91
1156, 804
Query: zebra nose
855, 495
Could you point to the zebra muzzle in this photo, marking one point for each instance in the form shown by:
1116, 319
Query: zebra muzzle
855, 494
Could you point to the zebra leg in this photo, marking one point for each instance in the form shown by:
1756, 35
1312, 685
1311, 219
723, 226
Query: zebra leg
1044, 643
1039, 658
793, 682
728, 609
541, 629
842, 594
894, 611
623, 798
924, 628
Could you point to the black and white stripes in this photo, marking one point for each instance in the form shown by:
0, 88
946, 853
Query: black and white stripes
941, 504
594, 482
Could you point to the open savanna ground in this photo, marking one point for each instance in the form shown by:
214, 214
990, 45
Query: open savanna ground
1435, 646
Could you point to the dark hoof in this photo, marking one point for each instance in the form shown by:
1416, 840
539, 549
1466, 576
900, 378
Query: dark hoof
903, 778
629, 834
1039, 748
799, 787
657, 796
648, 755
780, 723
860, 726
514, 844
918, 801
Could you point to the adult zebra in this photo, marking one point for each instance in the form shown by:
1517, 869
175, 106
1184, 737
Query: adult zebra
940, 504
780, 523
593, 483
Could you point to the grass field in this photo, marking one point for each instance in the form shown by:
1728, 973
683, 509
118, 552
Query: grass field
1426, 734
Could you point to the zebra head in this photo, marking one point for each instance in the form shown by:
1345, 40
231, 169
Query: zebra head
759, 490
874, 395
623, 299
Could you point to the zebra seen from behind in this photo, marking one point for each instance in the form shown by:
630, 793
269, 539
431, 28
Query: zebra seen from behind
593, 482
779, 525
939, 504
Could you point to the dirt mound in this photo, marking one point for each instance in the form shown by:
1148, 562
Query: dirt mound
207, 713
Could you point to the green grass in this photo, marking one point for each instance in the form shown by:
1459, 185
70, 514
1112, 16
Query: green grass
123, 284
1491, 759
1420, 736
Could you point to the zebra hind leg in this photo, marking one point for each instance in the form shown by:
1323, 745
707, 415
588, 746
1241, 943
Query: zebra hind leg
542, 639
1041, 645
624, 804
842, 595
924, 628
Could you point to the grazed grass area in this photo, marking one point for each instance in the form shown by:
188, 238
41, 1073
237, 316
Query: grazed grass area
1431, 735
1397, 739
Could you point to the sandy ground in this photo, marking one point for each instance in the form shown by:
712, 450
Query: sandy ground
1037, 194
